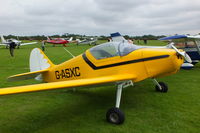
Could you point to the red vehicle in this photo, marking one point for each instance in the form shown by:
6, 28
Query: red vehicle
58, 41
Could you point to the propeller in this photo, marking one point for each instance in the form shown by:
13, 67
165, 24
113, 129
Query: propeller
184, 54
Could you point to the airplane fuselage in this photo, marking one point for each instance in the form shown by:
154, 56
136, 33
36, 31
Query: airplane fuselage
144, 63
58, 41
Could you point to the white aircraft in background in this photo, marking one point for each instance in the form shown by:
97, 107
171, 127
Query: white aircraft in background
190, 44
89, 41
5, 42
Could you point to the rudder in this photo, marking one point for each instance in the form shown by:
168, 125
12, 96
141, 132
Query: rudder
38, 60
2, 39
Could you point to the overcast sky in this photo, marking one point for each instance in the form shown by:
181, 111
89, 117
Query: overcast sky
99, 17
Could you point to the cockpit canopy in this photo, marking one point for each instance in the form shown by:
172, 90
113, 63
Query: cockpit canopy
112, 49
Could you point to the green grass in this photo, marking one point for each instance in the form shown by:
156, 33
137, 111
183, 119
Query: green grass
151, 43
83, 110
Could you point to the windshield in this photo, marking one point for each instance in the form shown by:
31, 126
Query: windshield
112, 49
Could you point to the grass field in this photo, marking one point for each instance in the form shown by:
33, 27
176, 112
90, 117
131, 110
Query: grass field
83, 110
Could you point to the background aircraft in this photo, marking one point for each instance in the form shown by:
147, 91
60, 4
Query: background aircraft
190, 44
119, 62
90, 41
19, 43
58, 41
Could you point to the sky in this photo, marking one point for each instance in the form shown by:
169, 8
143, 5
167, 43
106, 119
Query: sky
99, 17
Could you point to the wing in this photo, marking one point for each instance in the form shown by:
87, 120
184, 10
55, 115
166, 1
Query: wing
28, 43
66, 84
172, 37
180, 38
196, 37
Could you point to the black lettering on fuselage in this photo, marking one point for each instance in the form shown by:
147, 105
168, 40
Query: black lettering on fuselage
62, 74
77, 71
68, 73
57, 74
72, 72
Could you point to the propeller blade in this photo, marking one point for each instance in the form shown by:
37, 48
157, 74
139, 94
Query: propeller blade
187, 58
184, 54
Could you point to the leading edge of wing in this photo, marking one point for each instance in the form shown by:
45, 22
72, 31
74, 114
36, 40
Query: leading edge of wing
28, 43
66, 84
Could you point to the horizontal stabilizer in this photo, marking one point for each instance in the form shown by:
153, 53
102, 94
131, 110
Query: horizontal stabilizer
66, 84
25, 76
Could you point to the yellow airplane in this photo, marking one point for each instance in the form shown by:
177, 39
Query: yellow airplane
119, 62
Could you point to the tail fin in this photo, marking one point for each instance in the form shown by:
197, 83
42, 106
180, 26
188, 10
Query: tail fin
38, 60
48, 38
2, 39
70, 39
117, 37
39, 64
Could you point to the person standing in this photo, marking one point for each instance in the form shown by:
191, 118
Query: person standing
12, 46
43, 45
145, 41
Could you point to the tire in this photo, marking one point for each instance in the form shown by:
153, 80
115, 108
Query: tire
163, 86
115, 116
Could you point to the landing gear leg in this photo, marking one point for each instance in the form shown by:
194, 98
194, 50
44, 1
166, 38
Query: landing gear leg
160, 86
115, 115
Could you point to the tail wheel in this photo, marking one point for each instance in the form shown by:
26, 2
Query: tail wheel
115, 116
164, 87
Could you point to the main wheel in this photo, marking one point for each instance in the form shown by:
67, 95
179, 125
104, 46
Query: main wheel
164, 87
115, 116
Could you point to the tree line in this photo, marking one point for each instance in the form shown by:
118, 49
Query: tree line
78, 36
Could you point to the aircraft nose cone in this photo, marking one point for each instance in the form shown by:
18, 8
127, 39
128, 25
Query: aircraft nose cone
177, 60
